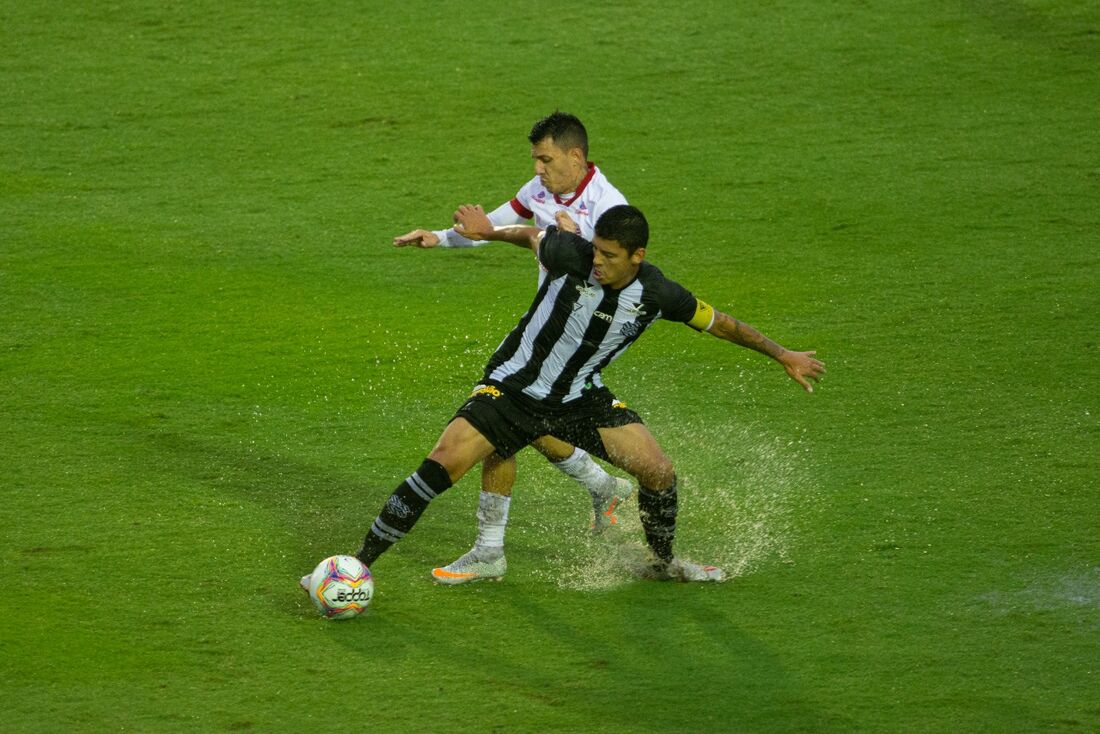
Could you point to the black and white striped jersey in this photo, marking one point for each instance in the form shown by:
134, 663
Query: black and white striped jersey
575, 327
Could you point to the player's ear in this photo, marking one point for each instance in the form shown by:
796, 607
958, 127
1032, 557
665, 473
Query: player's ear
638, 256
578, 155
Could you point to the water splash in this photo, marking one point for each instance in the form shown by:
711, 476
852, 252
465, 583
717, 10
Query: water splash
741, 493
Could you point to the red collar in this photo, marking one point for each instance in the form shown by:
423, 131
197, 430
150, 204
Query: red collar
580, 189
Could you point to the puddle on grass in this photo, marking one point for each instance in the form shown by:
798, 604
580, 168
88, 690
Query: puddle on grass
739, 493
1075, 590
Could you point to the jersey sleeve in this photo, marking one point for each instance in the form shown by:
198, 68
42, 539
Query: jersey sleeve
523, 201
565, 252
678, 304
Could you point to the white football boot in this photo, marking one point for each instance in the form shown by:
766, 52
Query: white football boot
475, 565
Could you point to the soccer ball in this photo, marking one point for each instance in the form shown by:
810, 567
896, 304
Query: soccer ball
341, 587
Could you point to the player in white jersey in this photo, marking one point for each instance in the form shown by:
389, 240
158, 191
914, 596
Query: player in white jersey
566, 182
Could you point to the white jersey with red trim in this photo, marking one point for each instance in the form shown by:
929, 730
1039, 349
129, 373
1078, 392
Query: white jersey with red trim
593, 197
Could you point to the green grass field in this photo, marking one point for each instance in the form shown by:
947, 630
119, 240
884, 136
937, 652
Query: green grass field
214, 367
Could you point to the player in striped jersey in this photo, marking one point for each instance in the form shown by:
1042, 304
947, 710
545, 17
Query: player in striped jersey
565, 181
597, 299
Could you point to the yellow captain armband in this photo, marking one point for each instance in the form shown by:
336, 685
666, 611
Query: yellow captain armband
704, 316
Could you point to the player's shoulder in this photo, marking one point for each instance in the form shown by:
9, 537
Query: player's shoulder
650, 274
659, 285
534, 184
601, 189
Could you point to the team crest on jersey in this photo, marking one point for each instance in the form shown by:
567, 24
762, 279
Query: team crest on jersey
632, 328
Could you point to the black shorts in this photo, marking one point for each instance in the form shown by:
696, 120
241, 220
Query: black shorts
510, 423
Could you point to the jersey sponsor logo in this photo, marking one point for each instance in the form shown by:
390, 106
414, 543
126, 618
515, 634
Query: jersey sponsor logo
489, 390
605, 316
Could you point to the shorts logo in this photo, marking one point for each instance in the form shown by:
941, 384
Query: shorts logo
486, 390
631, 329
618, 404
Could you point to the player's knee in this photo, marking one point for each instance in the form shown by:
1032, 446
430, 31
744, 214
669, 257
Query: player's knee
657, 474
459, 448
666, 474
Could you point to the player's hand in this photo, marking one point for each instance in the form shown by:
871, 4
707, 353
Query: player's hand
802, 367
472, 223
417, 238
565, 222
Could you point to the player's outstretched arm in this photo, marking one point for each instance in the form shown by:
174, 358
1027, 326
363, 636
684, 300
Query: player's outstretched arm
800, 366
417, 238
504, 214
471, 222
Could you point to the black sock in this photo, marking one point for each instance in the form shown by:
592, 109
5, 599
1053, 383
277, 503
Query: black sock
403, 509
658, 513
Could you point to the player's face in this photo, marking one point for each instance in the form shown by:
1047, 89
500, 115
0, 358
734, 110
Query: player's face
561, 171
612, 265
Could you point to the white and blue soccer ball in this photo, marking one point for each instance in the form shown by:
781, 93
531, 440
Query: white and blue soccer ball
341, 587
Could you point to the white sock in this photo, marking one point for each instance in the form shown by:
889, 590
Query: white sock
492, 519
581, 467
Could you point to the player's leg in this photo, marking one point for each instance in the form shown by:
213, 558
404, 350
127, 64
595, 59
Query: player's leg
459, 447
508, 427
633, 449
606, 490
486, 559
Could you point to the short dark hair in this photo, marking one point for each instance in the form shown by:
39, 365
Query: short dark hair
626, 225
566, 131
